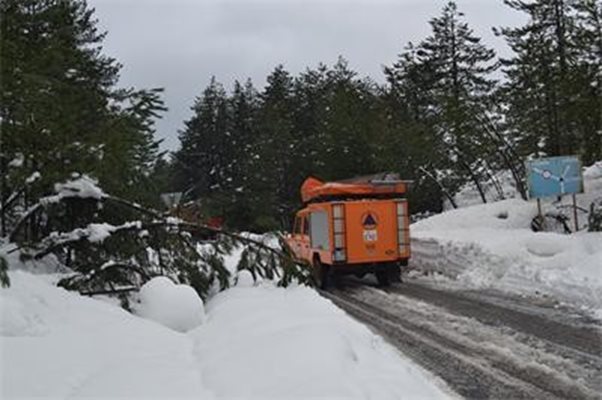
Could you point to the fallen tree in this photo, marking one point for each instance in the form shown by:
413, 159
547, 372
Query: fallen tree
113, 246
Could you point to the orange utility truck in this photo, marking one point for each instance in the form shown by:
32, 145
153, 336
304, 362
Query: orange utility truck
356, 226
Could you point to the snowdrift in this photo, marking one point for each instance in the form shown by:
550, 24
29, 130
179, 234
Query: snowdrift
492, 246
257, 342
58, 344
271, 342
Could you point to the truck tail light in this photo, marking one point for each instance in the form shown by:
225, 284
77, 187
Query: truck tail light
403, 237
338, 229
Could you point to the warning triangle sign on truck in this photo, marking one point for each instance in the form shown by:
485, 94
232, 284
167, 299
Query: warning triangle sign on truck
369, 221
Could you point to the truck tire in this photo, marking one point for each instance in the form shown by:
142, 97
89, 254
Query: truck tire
383, 277
321, 274
395, 273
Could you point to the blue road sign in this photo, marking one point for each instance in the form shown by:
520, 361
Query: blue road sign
554, 176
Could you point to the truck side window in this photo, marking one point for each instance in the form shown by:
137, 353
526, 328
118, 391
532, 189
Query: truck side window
319, 238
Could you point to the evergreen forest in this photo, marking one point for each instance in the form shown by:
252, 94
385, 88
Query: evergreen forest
449, 113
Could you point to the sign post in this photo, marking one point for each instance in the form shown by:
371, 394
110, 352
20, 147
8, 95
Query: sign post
575, 212
539, 213
555, 176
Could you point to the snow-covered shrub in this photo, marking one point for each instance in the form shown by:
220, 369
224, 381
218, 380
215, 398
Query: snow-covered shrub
178, 307
274, 265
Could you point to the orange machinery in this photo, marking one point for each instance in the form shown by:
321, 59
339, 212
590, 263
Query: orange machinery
356, 226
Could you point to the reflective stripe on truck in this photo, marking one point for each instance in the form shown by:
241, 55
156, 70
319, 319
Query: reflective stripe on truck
403, 228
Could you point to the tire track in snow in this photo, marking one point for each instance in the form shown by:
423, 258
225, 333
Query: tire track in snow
469, 363
582, 341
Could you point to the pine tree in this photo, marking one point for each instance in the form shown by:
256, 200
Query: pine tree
553, 80
588, 41
413, 143
311, 93
60, 110
244, 104
446, 82
350, 133
201, 165
274, 152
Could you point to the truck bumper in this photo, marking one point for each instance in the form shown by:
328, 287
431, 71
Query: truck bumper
366, 268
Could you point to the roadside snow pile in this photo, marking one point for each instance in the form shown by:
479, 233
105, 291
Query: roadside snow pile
505, 214
491, 246
58, 344
270, 342
178, 307
257, 342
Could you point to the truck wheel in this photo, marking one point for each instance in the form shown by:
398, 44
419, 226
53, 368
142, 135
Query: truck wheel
395, 273
321, 274
383, 277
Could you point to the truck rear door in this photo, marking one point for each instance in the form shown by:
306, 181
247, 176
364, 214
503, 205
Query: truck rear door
372, 233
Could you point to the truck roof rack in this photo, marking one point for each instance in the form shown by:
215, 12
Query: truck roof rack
378, 186
385, 177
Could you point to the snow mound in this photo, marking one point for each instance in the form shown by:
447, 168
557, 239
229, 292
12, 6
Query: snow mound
58, 344
506, 214
471, 246
178, 307
258, 343
270, 342
18, 320
244, 279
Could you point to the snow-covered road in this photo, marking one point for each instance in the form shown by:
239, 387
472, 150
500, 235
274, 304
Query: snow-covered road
484, 345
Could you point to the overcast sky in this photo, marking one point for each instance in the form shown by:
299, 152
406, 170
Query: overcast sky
180, 44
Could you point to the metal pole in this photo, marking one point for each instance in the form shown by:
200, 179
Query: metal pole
539, 213
575, 212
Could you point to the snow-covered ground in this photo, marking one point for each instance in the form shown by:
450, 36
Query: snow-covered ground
492, 246
254, 342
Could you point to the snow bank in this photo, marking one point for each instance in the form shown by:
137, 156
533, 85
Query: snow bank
519, 261
269, 342
257, 343
57, 344
506, 214
592, 182
178, 307
491, 246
